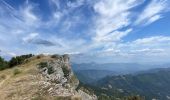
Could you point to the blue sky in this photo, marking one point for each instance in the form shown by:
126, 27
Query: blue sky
89, 30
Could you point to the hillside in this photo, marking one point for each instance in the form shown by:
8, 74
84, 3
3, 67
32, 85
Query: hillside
117, 68
42, 78
90, 76
151, 85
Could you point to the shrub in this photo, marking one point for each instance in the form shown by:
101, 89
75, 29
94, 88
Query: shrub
55, 56
38, 57
50, 70
134, 98
3, 64
43, 64
19, 59
16, 71
65, 71
2, 76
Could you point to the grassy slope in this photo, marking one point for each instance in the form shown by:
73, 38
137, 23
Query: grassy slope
25, 84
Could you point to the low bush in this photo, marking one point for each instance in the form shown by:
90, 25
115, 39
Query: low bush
50, 70
16, 71
65, 71
43, 64
2, 77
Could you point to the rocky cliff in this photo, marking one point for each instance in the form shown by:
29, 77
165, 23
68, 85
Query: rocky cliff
42, 78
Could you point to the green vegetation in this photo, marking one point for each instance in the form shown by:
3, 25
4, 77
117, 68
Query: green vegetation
14, 61
133, 98
19, 60
66, 71
105, 94
87, 89
56, 56
149, 85
45, 64
3, 64
38, 57
16, 71
50, 70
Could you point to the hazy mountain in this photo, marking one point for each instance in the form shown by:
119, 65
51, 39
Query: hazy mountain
150, 84
90, 76
118, 68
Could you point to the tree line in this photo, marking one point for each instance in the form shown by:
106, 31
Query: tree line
13, 61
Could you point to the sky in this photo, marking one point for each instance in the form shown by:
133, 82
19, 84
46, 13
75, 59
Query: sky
89, 30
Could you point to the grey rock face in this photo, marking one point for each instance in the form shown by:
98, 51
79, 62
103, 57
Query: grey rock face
59, 78
53, 72
58, 70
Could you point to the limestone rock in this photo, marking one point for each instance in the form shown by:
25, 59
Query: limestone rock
58, 73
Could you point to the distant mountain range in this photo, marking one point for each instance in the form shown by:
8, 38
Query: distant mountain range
91, 72
119, 68
119, 80
152, 84
90, 76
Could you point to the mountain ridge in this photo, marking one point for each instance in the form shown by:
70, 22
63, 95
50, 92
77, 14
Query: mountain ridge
42, 77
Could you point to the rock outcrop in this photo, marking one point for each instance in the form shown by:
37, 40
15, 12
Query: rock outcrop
60, 79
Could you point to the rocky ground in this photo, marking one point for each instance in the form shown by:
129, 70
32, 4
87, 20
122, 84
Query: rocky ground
42, 78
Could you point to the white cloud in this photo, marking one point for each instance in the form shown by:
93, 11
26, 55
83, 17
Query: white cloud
74, 4
147, 46
149, 49
152, 12
28, 15
146, 51
112, 16
152, 40
113, 36
30, 37
7, 53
